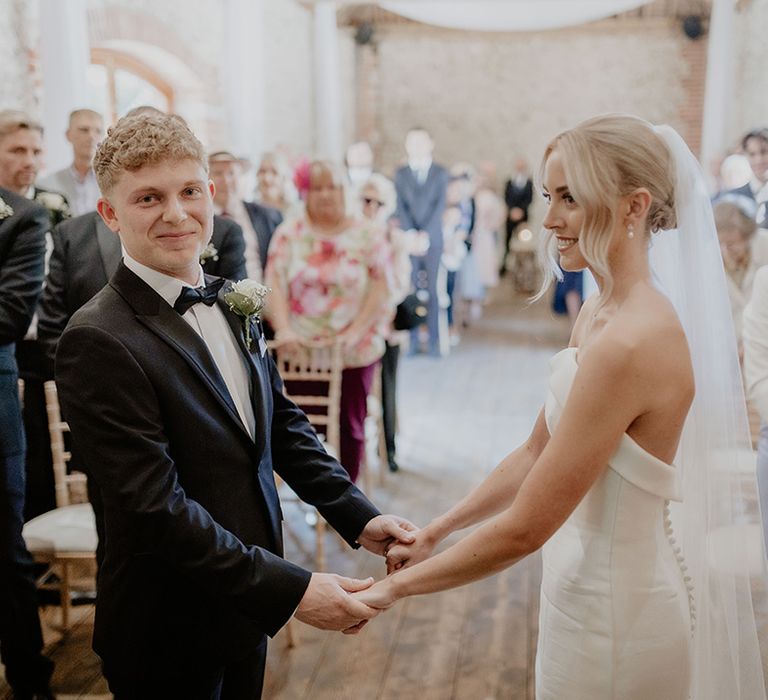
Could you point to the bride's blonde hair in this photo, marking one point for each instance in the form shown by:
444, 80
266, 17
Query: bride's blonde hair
605, 158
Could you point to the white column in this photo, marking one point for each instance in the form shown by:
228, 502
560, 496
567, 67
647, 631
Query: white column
721, 73
328, 110
243, 76
64, 60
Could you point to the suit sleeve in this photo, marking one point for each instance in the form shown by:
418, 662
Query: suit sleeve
52, 313
315, 476
231, 262
21, 274
116, 424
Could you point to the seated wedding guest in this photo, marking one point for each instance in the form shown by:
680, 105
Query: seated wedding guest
257, 221
78, 181
378, 200
181, 422
274, 187
23, 226
736, 228
328, 274
755, 147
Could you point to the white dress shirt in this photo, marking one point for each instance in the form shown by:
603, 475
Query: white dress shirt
209, 323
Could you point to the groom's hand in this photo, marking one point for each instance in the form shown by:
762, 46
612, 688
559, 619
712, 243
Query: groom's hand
384, 531
327, 604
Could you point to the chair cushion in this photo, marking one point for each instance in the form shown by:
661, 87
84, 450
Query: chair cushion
67, 529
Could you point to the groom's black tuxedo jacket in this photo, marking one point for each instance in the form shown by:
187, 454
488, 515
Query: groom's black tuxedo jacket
86, 254
193, 572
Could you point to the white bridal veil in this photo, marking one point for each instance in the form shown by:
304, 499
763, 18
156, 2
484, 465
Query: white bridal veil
718, 522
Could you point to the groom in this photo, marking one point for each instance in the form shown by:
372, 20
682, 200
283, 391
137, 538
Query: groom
180, 424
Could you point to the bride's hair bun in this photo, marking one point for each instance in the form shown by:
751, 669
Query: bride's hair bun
662, 216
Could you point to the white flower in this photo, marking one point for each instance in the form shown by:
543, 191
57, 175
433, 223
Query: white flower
6, 209
52, 200
246, 299
209, 253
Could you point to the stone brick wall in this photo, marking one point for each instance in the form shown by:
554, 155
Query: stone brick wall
751, 93
492, 96
289, 116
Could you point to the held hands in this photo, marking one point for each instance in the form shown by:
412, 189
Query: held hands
384, 532
403, 555
328, 605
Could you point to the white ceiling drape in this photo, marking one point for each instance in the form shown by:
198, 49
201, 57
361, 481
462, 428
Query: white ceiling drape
508, 15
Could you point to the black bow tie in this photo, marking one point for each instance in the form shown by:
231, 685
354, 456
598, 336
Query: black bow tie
192, 295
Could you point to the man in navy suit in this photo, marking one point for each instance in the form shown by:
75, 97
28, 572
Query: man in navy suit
180, 421
421, 187
23, 226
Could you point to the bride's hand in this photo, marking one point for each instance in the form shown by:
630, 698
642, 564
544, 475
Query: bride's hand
381, 595
401, 556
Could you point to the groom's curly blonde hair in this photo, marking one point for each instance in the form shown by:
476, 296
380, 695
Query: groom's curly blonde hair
144, 139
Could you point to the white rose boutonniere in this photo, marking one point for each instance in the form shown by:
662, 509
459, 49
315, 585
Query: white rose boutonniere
6, 209
246, 299
52, 200
209, 253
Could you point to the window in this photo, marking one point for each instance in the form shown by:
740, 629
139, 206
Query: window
118, 82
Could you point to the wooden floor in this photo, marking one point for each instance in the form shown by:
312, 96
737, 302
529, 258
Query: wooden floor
459, 416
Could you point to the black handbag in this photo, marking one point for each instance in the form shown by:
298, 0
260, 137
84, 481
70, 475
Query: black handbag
410, 312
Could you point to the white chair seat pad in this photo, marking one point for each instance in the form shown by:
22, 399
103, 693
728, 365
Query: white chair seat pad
67, 529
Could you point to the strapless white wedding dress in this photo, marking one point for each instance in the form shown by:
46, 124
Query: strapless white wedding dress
616, 612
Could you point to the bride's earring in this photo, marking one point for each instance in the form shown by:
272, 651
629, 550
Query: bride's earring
630, 231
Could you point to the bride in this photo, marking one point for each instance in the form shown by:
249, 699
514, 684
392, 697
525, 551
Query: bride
642, 597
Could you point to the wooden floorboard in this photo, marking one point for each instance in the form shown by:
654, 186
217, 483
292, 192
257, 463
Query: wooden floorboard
458, 416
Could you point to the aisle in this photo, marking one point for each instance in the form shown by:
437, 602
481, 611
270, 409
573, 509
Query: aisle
459, 416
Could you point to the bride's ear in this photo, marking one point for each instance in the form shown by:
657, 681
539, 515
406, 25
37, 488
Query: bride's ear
638, 203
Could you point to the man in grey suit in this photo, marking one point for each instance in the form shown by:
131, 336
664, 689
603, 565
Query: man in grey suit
421, 189
78, 181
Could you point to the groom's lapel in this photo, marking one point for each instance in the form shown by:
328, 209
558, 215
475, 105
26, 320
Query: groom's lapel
166, 323
259, 383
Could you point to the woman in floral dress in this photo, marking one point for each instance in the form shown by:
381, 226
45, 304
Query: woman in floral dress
328, 274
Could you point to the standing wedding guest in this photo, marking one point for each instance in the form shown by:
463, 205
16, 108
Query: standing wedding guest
736, 229
21, 157
633, 606
274, 188
518, 195
257, 221
458, 229
78, 181
377, 203
421, 186
328, 274
21, 154
22, 250
755, 147
180, 421
359, 163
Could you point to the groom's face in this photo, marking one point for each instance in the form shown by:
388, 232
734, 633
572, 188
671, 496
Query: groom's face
163, 214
